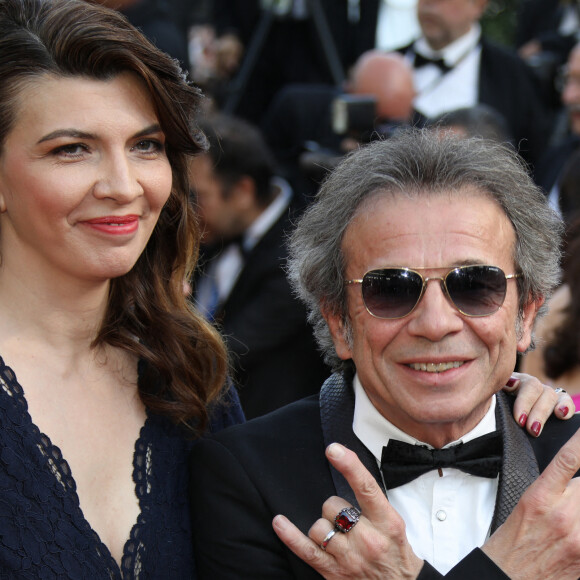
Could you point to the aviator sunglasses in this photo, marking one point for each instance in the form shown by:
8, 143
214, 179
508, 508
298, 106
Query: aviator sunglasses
395, 292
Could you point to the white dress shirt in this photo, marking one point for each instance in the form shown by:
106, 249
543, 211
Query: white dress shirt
446, 516
439, 92
397, 24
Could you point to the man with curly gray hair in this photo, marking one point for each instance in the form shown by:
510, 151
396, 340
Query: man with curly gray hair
419, 167
424, 261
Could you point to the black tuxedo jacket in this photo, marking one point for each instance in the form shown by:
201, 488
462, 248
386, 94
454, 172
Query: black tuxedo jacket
275, 359
508, 85
244, 476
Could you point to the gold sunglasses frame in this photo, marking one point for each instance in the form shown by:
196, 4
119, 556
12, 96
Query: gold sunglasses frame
425, 280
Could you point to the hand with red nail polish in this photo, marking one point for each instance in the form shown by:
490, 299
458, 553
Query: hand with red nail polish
536, 402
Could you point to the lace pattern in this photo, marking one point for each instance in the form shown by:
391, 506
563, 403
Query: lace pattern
43, 533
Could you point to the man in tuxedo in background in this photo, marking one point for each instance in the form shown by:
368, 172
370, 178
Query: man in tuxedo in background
245, 214
423, 261
455, 67
301, 126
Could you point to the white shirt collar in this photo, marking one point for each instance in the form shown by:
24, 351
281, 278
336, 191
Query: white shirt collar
269, 216
374, 431
454, 52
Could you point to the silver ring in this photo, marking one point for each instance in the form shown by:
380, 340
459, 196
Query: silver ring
559, 390
327, 538
347, 519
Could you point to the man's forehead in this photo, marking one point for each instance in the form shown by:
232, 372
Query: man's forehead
421, 196
453, 226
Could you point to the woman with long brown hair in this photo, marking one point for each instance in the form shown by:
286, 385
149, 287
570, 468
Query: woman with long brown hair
107, 374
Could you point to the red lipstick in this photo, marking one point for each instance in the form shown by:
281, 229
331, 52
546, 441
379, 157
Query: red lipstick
114, 224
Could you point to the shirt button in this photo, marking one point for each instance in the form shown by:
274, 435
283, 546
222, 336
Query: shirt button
441, 515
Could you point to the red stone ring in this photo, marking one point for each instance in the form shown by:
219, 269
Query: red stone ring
347, 519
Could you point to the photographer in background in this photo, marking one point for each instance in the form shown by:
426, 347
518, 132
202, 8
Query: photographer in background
310, 127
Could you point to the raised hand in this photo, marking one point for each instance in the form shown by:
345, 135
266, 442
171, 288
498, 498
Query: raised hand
541, 537
375, 548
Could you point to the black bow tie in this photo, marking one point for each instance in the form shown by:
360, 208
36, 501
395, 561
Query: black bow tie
403, 462
421, 60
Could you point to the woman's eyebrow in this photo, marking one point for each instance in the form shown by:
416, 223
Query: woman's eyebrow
155, 128
74, 133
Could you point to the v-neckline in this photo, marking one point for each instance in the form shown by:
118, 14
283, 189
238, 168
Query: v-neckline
60, 470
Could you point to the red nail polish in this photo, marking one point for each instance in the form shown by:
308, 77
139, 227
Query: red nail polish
536, 428
522, 420
564, 411
512, 382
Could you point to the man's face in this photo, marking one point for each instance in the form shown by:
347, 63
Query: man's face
436, 233
443, 21
571, 92
219, 212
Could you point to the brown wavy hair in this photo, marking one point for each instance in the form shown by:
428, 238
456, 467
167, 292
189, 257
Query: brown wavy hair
147, 314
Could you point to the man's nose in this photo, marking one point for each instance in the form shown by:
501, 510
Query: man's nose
435, 316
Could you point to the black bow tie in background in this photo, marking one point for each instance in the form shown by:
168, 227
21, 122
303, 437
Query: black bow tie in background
421, 60
403, 462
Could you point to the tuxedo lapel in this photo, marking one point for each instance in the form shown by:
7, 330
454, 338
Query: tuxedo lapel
336, 415
268, 253
519, 464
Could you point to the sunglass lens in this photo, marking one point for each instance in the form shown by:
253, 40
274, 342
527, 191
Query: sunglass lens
477, 290
391, 293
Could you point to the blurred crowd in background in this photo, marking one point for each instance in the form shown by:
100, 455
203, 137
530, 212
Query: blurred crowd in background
245, 54
293, 85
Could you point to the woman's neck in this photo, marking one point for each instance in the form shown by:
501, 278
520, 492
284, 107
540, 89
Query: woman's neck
65, 313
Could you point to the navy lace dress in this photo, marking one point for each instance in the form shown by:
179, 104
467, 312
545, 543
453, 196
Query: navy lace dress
43, 533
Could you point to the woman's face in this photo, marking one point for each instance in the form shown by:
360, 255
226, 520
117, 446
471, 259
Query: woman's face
83, 178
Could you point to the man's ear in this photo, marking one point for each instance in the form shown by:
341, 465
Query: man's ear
529, 313
338, 332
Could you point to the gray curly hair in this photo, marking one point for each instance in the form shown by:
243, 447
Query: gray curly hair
417, 163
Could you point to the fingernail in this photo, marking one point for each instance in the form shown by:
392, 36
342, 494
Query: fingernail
564, 411
536, 428
512, 382
335, 450
279, 522
522, 420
